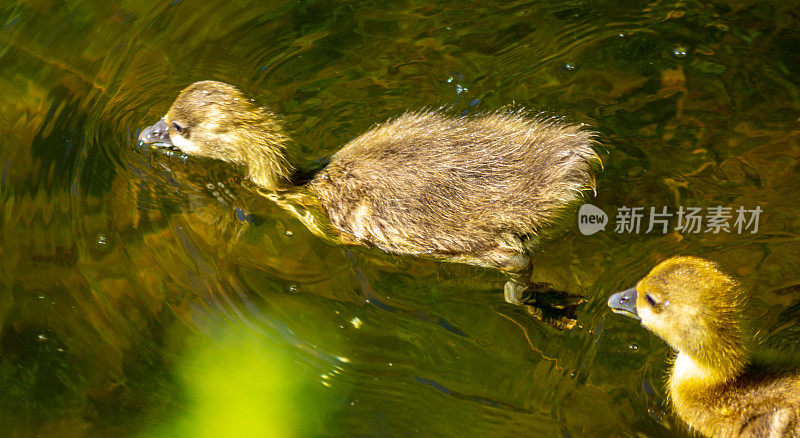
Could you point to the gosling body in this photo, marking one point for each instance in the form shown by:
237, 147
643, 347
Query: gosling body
472, 189
716, 384
452, 187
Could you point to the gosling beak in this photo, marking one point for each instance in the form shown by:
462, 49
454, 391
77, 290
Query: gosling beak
624, 303
156, 135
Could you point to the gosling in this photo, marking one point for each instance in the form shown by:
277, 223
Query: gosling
715, 384
473, 190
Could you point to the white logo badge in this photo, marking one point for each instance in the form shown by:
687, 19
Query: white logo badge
591, 219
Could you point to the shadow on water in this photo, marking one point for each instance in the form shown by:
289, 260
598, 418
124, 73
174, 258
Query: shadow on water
147, 293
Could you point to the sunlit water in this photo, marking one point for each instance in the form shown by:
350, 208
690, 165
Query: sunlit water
149, 294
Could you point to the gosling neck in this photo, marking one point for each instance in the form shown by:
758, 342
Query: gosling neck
266, 161
268, 171
711, 364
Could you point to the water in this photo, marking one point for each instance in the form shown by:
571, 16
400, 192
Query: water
146, 294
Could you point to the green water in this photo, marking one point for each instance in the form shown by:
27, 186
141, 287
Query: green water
148, 294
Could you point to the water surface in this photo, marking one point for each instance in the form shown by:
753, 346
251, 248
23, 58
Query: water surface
150, 294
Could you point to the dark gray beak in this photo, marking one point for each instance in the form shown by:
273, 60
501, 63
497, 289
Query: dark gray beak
157, 135
624, 303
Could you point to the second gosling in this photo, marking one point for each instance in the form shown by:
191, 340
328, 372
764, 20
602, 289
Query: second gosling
716, 385
473, 190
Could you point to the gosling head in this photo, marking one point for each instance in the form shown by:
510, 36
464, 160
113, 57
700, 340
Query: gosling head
215, 120
692, 305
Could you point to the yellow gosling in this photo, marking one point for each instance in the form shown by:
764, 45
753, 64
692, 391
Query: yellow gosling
715, 384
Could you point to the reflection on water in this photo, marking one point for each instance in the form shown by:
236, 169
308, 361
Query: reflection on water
234, 384
146, 293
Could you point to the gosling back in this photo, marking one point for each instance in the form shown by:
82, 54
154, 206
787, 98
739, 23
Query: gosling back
428, 183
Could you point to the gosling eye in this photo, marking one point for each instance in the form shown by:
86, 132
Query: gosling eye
178, 128
650, 300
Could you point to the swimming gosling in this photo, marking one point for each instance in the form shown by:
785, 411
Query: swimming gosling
473, 190
715, 384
